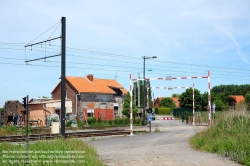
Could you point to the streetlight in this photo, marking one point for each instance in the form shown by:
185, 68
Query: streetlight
144, 87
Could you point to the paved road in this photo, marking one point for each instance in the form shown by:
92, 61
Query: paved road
167, 147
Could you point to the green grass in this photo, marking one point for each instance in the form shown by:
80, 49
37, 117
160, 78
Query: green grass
229, 134
50, 151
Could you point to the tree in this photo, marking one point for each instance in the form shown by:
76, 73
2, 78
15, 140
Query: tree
126, 106
2, 109
220, 105
176, 95
247, 98
167, 102
142, 93
186, 99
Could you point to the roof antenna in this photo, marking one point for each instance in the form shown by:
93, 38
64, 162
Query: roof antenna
115, 75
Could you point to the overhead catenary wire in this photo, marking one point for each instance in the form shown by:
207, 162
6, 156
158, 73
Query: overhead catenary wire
105, 59
43, 32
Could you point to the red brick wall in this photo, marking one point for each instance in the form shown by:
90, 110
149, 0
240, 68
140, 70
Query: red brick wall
157, 103
104, 114
71, 94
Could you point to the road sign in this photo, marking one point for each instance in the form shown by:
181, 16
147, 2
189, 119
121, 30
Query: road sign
149, 117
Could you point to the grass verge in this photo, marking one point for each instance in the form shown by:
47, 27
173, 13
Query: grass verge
229, 136
58, 152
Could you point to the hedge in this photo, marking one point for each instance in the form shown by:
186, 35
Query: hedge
182, 112
164, 111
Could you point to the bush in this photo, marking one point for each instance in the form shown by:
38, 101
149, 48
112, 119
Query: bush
156, 111
80, 124
69, 124
164, 111
137, 121
91, 120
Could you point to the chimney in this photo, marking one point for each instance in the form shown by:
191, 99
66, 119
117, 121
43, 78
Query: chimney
90, 77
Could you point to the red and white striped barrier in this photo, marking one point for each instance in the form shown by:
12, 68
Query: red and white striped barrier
168, 118
168, 78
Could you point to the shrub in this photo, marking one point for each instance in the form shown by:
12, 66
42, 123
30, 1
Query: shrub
156, 111
164, 110
137, 121
91, 120
80, 124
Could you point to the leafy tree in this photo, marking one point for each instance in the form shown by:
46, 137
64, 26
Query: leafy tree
2, 109
247, 98
220, 105
126, 106
167, 102
186, 99
176, 95
231, 89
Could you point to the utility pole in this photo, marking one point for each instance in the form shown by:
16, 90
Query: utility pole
139, 85
63, 69
63, 73
135, 94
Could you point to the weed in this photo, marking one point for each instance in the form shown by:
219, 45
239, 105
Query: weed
93, 138
157, 130
229, 132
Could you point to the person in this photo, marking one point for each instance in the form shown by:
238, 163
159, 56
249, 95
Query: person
15, 119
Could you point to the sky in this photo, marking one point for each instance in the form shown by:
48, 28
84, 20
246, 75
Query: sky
109, 38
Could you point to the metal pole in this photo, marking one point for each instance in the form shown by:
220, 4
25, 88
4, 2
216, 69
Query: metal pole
27, 128
209, 100
63, 73
153, 101
139, 87
144, 90
131, 107
193, 107
27, 116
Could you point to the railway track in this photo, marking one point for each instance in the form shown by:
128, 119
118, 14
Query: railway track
35, 137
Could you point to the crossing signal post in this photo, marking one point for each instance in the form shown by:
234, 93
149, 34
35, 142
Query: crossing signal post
149, 111
24, 102
26, 106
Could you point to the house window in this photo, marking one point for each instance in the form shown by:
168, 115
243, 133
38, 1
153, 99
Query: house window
90, 112
58, 112
116, 110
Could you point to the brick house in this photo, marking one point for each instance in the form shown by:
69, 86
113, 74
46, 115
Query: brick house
238, 98
101, 98
11, 107
158, 100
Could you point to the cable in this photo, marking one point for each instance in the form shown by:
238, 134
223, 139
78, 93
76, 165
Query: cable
44, 32
98, 53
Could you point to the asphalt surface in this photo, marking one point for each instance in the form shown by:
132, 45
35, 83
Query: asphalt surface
168, 147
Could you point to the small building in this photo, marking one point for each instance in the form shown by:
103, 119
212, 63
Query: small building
41, 108
238, 98
93, 97
12, 107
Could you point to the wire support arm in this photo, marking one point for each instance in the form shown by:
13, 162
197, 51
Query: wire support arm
43, 41
43, 58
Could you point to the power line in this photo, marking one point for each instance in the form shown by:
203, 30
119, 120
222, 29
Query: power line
44, 32
161, 61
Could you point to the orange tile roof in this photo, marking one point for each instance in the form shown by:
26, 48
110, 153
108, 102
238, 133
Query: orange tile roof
82, 84
238, 98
